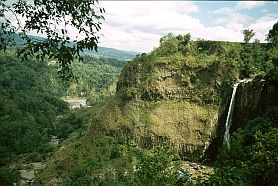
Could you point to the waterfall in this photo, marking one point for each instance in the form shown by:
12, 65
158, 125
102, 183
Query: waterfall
230, 112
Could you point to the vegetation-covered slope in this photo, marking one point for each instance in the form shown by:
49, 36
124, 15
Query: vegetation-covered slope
179, 93
27, 109
95, 78
177, 96
31, 109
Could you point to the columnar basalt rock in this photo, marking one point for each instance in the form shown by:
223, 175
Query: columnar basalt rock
172, 104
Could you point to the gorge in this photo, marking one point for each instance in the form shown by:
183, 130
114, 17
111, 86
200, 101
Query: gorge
193, 107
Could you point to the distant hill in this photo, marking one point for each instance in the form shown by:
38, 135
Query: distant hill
103, 52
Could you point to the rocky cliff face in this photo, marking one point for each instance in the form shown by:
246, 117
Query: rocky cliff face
181, 103
252, 100
169, 101
170, 79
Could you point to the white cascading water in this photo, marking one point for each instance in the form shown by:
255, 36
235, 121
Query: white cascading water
230, 113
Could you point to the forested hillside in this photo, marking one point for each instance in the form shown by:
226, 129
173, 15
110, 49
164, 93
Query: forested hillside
190, 111
94, 78
28, 108
32, 112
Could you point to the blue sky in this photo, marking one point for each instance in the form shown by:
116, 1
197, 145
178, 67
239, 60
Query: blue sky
138, 25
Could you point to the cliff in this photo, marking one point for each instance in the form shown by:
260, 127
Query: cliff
252, 100
180, 99
173, 100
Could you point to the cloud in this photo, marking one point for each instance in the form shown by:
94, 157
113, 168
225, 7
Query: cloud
141, 25
138, 25
249, 4
234, 18
239, 6
262, 26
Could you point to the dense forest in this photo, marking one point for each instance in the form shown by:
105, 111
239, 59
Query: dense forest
32, 112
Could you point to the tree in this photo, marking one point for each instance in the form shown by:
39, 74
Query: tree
168, 45
272, 36
157, 167
54, 19
183, 42
248, 34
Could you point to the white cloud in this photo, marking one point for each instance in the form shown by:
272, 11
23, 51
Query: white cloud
262, 26
235, 26
234, 21
249, 4
186, 7
239, 5
138, 25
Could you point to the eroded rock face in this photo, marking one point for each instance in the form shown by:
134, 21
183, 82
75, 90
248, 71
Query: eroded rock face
168, 103
252, 100
170, 82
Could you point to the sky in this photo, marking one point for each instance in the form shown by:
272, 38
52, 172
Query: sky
138, 25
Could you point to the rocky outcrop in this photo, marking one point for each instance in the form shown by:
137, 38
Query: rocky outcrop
164, 81
181, 103
182, 100
169, 101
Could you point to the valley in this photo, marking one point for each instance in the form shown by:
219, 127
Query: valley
179, 109
191, 111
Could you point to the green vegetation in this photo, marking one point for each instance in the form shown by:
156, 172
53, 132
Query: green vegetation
248, 34
31, 111
27, 110
112, 53
165, 110
252, 159
95, 78
107, 160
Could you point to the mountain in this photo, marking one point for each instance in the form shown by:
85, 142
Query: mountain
103, 52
